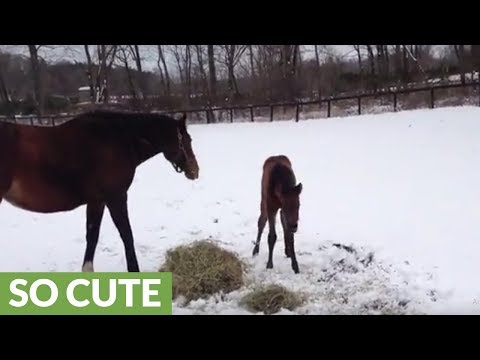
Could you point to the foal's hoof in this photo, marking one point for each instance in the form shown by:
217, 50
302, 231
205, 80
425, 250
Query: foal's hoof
295, 268
269, 265
287, 253
256, 250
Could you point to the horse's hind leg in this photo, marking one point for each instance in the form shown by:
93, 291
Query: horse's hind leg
94, 219
262, 220
119, 212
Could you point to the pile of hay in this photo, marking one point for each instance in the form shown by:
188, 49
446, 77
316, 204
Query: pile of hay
202, 269
271, 299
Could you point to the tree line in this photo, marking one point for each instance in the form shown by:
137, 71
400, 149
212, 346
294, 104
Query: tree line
182, 76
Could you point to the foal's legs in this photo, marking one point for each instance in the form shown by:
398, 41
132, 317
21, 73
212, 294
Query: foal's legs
94, 220
285, 234
293, 257
262, 220
272, 236
289, 245
118, 208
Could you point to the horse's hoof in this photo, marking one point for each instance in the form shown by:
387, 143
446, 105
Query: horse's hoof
287, 254
295, 269
255, 251
88, 267
269, 265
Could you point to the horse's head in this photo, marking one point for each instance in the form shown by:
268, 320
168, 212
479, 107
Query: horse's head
179, 151
290, 201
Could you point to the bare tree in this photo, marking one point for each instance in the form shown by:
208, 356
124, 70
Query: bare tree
204, 81
415, 61
98, 70
140, 80
201, 69
267, 68
386, 55
90, 73
4, 95
188, 71
460, 53
475, 50
38, 89
252, 66
317, 70
212, 76
123, 56
359, 58
183, 58
161, 59
176, 52
371, 60
405, 70
289, 57
232, 55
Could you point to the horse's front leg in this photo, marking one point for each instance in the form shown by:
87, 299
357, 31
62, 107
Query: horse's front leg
285, 234
119, 212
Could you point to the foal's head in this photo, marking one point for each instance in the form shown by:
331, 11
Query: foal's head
180, 153
290, 201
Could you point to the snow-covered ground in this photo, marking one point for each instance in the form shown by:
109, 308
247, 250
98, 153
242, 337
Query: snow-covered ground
401, 189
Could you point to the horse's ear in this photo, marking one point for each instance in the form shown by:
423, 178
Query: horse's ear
299, 188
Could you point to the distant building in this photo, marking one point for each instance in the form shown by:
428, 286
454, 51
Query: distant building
84, 94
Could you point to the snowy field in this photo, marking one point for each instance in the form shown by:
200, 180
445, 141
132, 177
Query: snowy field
401, 189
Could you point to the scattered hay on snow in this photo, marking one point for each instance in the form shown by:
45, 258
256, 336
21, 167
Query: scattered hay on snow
202, 269
271, 299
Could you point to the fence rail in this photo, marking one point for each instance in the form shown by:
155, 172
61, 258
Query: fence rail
58, 119
332, 99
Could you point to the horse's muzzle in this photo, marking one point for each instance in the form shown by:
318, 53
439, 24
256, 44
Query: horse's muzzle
191, 175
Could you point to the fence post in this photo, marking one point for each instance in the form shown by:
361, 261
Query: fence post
329, 107
432, 99
395, 102
251, 113
231, 115
359, 105
297, 112
271, 113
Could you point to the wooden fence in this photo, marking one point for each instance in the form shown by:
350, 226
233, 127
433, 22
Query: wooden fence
54, 120
393, 94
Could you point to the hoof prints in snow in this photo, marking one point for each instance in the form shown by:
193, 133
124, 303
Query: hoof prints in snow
334, 279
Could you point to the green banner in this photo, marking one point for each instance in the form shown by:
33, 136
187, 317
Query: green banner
55, 293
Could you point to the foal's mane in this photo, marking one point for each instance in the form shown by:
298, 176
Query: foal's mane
284, 176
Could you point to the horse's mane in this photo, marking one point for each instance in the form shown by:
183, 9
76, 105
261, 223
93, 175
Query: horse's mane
126, 122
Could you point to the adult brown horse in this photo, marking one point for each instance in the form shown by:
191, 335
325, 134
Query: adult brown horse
90, 160
279, 191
